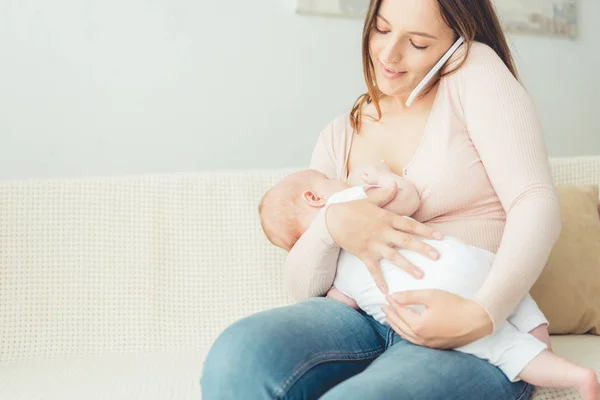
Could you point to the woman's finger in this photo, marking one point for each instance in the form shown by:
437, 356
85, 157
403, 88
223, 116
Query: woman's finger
411, 318
409, 225
394, 317
405, 336
372, 265
399, 326
410, 242
392, 255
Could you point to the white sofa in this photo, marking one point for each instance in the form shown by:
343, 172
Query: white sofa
114, 288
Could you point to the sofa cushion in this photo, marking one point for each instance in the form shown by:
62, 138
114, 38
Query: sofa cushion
568, 290
154, 375
580, 349
175, 375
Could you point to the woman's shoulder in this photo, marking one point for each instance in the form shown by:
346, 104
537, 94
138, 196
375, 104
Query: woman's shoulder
480, 62
332, 145
481, 51
337, 130
340, 123
481, 68
484, 57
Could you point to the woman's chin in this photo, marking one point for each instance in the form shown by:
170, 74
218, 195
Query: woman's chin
394, 91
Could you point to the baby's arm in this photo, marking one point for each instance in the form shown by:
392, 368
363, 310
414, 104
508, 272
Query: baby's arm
407, 199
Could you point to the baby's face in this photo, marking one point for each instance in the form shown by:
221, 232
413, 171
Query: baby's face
293, 203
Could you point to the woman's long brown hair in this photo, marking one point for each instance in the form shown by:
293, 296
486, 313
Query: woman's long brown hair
474, 20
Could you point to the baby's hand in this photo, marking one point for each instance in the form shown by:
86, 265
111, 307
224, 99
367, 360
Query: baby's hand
387, 178
372, 173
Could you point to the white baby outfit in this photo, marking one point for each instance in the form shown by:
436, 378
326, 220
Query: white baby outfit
461, 269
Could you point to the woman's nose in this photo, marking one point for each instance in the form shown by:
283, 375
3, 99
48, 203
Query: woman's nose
392, 52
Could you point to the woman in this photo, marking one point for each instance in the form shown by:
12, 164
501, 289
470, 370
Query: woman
472, 145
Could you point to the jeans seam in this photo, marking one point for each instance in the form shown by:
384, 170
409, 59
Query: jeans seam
389, 338
318, 359
523, 392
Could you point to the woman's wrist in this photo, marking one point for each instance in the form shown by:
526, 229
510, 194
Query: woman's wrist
325, 217
483, 324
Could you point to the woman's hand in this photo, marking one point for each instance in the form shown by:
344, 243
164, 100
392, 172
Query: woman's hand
449, 321
371, 233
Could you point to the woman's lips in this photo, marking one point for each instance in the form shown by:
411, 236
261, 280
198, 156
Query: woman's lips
389, 73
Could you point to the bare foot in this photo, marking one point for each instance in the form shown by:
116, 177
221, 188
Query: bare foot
336, 295
541, 333
589, 389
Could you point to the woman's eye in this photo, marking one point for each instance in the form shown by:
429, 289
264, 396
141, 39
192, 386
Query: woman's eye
380, 30
418, 47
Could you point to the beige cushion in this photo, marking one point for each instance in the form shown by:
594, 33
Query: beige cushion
568, 290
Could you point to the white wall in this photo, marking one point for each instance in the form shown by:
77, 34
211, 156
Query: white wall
138, 86
563, 77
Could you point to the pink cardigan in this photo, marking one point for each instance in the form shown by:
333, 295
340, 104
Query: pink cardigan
482, 173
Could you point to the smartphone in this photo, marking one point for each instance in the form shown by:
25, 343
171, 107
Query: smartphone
433, 71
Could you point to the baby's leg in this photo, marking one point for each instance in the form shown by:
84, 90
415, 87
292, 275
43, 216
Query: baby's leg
542, 334
336, 295
527, 317
548, 369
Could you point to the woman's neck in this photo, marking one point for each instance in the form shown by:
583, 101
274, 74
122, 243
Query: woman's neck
397, 104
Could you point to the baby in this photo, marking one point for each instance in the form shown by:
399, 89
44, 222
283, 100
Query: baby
519, 346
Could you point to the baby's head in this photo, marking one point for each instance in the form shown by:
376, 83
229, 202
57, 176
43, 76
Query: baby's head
288, 208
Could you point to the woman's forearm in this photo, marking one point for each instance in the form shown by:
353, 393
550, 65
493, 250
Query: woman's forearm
311, 264
532, 227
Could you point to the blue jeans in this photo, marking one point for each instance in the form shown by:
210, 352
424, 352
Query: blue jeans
320, 348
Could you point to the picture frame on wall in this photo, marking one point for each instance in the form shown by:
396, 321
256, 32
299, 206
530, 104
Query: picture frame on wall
553, 18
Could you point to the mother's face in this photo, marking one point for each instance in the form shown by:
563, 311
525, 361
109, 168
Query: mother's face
409, 38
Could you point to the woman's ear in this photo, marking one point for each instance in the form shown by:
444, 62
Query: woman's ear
313, 199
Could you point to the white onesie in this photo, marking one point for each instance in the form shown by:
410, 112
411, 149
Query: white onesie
461, 269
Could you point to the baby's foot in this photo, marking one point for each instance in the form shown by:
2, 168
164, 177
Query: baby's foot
589, 388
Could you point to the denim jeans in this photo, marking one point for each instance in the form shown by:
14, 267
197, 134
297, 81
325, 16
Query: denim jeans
323, 349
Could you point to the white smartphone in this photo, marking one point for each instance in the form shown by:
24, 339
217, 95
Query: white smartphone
433, 71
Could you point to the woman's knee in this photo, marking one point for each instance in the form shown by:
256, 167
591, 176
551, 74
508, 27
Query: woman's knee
422, 373
239, 360
263, 355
